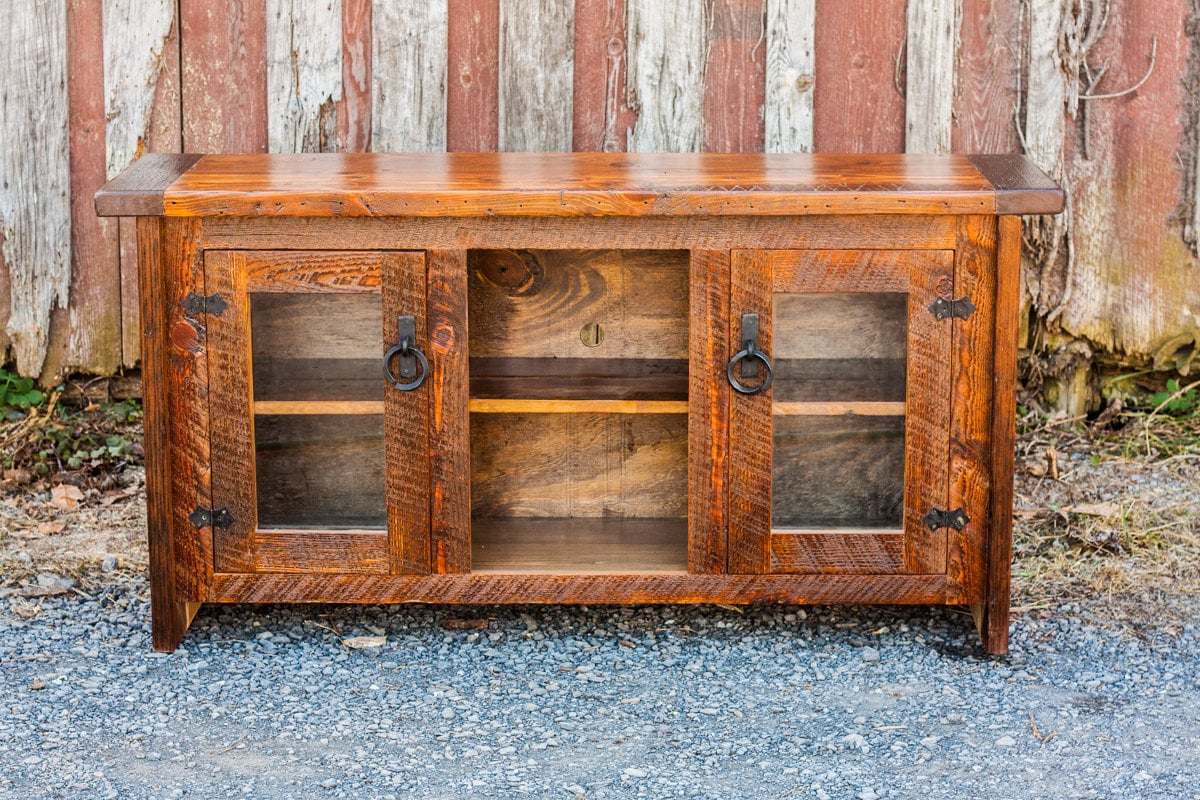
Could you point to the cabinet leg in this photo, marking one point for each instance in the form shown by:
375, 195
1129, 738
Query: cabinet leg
169, 621
991, 620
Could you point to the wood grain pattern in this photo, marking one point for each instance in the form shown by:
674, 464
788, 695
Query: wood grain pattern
449, 424
408, 76
750, 449
407, 421
856, 105
186, 374
135, 39
473, 75
840, 553
623, 589
285, 271
997, 589
613, 380
928, 423
309, 552
232, 422
591, 546
304, 74
224, 69
735, 77
603, 119
590, 184
138, 191
884, 232
971, 483
167, 620
986, 92
639, 298
791, 74
1013, 182
34, 147
536, 67
524, 406
931, 51
354, 111
579, 465
665, 74
708, 413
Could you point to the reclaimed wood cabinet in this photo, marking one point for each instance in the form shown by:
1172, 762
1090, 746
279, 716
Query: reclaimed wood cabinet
579, 378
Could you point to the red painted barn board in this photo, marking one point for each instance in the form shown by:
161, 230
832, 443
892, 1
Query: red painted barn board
354, 110
856, 106
224, 76
602, 116
473, 75
986, 84
735, 79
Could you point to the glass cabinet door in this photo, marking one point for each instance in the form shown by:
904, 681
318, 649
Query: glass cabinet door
298, 402
840, 414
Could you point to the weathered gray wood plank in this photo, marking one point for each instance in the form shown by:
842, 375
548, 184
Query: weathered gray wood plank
35, 210
408, 78
135, 38
791, 75
304, 74
932, 48
537, 44
667, 55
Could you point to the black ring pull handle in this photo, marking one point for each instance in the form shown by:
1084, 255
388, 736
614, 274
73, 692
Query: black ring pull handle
749, 357
410, 357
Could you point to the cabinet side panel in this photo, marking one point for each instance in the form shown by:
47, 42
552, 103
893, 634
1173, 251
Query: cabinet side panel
449, 434
750, 442
186, 380
708, 411
994, 629
971, 425
407, 421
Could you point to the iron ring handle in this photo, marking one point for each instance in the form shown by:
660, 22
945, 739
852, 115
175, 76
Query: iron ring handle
404, 348
749, 352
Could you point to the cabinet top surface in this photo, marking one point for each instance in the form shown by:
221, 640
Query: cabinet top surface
576, 184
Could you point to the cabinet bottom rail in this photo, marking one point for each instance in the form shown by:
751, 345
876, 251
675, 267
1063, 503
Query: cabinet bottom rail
510, 588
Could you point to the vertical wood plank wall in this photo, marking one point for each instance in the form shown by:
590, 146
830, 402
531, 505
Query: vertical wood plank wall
106, 80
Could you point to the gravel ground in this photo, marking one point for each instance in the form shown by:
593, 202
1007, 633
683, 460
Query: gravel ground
599, 702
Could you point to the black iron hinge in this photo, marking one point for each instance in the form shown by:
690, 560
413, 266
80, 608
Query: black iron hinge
219, 518
945, 309
937, 518
196, 304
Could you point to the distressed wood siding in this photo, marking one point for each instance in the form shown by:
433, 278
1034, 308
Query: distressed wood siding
408, 80
304, 74
536, 69
667, 56
35, 208
791, 73
101, 81
930, 75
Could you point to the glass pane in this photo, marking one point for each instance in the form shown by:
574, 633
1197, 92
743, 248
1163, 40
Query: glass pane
319, 462
320, 471
316, 346
838, 410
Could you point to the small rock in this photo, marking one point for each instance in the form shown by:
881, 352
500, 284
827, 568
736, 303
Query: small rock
1005, 741
447, 713
575, 789
868, 794
51, 581
109, 564
869, 655
634, 772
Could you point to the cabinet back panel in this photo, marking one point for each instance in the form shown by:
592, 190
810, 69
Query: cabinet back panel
837, 472
579, 465
316, 346
320, 471
535, 303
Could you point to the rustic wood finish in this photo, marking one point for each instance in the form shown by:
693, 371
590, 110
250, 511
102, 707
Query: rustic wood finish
576, 439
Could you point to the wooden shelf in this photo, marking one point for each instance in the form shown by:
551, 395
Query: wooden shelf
578, 545
862, 408
487, 406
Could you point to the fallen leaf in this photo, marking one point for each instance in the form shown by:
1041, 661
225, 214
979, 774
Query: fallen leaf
364, 642
51, 528
17, 475
27, 534
65, 496
465, 624
42, 591
37, 685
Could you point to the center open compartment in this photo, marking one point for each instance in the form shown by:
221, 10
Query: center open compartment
578, 401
